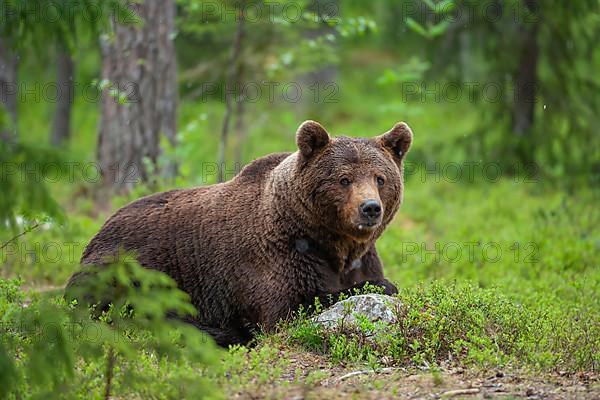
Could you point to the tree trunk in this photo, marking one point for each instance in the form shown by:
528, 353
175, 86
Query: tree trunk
321, 83
230, 81
65, 70
240, 123
526, 76
323, 9
9, 62
140, 98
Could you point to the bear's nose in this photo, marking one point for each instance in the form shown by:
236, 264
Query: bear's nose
370, 209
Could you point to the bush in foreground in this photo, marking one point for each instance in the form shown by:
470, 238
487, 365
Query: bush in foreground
50, 349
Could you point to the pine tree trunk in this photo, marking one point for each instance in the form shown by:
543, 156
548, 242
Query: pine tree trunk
65, 70
9, 63
526, 76
233, 76
324, 9
140, 64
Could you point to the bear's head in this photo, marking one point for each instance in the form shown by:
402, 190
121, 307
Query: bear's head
353, 187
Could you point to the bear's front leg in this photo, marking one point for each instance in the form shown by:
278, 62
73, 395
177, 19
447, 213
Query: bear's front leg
368, 268
388, 287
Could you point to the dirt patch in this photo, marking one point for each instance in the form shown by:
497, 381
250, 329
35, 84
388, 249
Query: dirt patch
310, 376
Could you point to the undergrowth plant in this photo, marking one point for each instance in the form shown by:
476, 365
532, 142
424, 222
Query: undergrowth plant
460, 323
51, 348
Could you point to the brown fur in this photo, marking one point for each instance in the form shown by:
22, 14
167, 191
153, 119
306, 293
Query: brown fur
282, 232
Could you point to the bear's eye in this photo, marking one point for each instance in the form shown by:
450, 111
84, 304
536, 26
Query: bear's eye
380, 181
345, 182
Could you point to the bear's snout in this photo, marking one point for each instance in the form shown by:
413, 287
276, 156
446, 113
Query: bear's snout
370, 214
371, 211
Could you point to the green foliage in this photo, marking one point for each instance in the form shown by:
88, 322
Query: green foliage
27, 22
21, 175
278, 45
304, 331
461, 323
48, 346
430, 30
267, 50
244, 364
563, 141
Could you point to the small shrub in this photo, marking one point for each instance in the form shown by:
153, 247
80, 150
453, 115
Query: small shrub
465, 324
51, 349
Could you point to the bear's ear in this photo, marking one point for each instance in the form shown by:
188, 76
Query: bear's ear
397, 140
310, 138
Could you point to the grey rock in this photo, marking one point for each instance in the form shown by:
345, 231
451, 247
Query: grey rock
376, 308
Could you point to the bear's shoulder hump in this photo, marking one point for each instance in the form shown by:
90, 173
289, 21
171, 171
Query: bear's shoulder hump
262, 166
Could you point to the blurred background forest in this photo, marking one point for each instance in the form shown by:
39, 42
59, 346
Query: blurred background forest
102, 102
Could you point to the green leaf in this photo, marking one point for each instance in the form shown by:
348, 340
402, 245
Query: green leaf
416, 27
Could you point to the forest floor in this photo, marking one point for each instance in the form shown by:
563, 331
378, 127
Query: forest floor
272, 369
312, 376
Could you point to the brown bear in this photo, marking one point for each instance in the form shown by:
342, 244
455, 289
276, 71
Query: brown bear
289, 228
